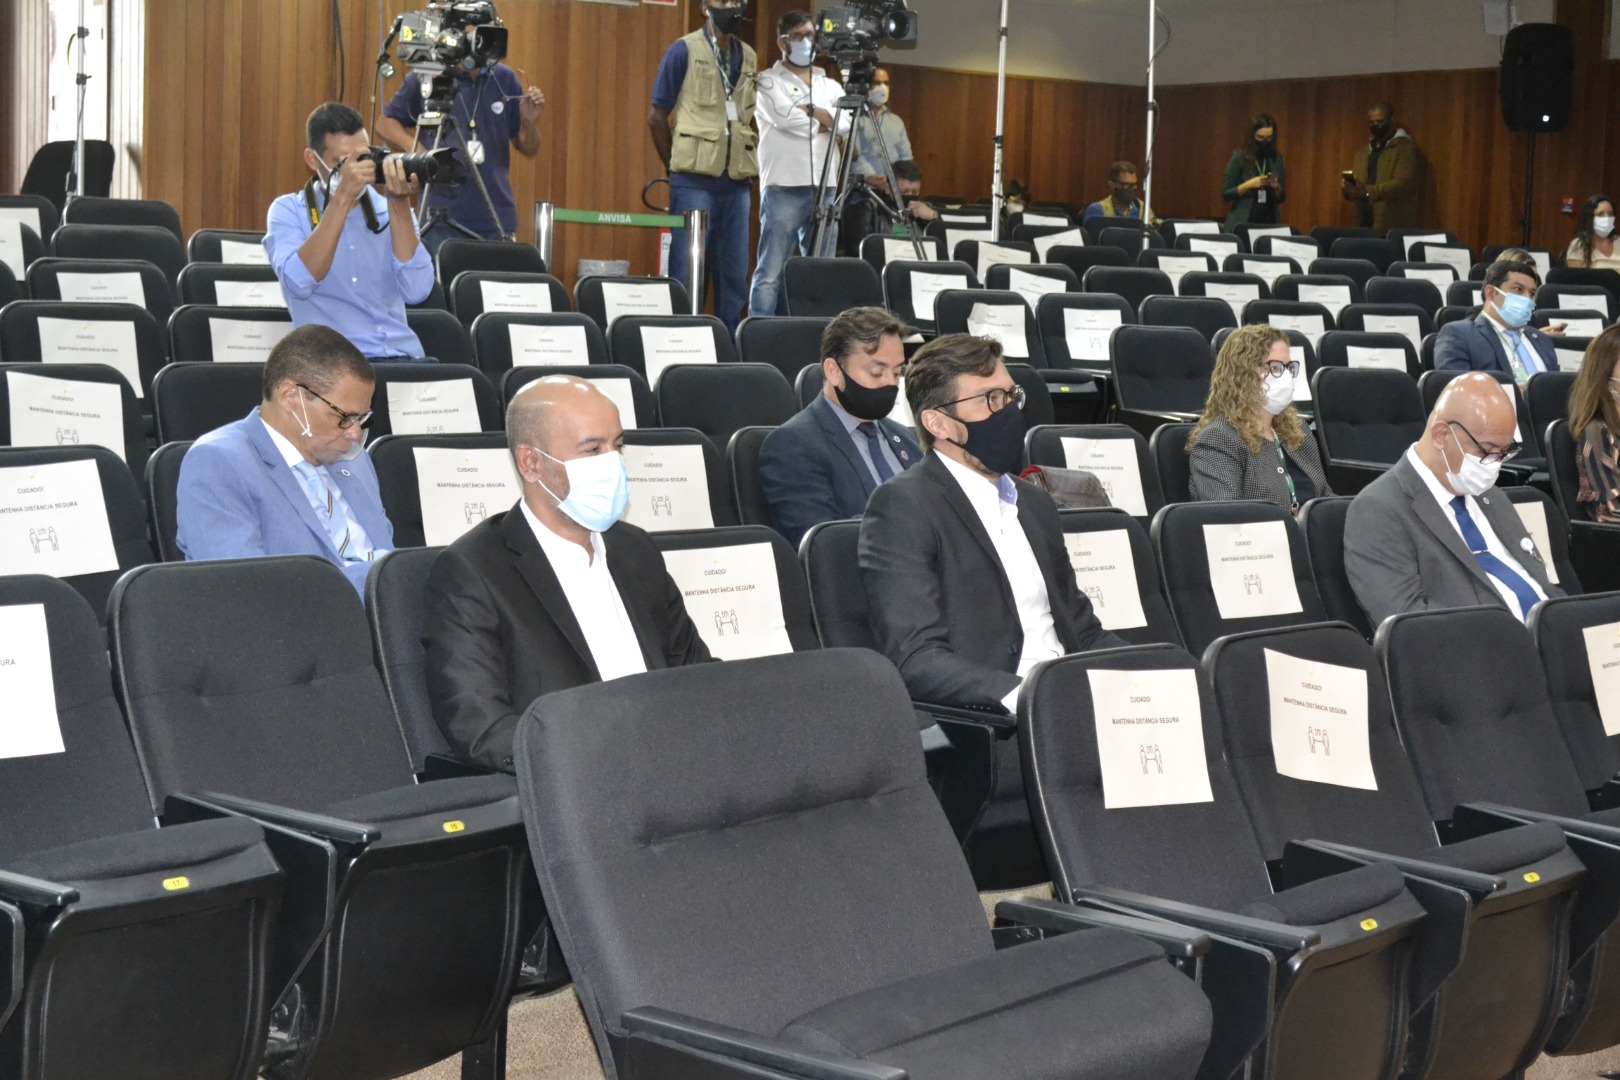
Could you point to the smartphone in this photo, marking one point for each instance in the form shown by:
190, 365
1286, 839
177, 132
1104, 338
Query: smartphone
1348, 177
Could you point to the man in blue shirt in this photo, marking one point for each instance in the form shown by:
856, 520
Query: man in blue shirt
346, 257
493, 113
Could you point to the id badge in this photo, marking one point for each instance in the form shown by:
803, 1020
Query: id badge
475, 151
1262, 200
731, 110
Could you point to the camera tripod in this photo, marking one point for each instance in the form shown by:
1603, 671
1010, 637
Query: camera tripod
432, 218
828, 214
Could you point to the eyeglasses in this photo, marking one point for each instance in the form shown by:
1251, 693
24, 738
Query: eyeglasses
346, 420
1489, 456
995, 399
1275, 368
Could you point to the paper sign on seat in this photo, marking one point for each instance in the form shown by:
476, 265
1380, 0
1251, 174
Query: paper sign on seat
1087, 330
956, 236
1583, 327
245, 340
1031, 218
903, 251
1066, 238
1250, 570
1569, 359
1003, 322
662, 346
1603, 660
533, 297
627, 298
1216, 249
1105, 572
1319, 721
1409, 325
24, 215
32, 726
1440, 279
1364, 356
1424, 238
1302, 382
732, 595
1273, 230
1183, 228
925, 287
238, 253
65, 412
996, 255
1333, 297
1599, 304
552, 346
459, 488
249, 294
1235, 295
1150, 738
620, 393
1543, 263
1534, 516
53, 520
1309, 325
117, 288
11, 247
1032, 286
436, 407
1454, 257
1300, 251
1113, 462
669, 488
901, 413
1267, 270
1175, 266
92, 341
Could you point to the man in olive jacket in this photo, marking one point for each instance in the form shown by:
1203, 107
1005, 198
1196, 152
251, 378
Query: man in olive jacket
1387, 170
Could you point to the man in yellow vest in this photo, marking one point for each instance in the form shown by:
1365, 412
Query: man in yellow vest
702, 123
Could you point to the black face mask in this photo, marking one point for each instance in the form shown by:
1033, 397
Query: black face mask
865, 402
1380, 132
997, 440
727, 20
1262, 146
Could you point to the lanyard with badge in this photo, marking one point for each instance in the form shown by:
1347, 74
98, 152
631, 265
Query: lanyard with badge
475, 145
725, 74
1282, 467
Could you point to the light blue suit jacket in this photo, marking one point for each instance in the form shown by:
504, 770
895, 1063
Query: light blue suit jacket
238, 498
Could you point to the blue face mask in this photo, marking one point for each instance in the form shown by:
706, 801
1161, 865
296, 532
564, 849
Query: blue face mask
800, 53
1515, 309
598, 489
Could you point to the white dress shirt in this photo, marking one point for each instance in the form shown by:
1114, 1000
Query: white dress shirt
360, 548
996, 503
1493, 543
787, 132
594, 597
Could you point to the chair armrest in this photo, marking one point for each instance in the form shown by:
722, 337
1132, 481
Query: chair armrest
1360, 466
1255, 931
658, 1036
11, 958
961, 714
35, 892
1307, 860
1179, 942
1607, 834
206, 805
445, 767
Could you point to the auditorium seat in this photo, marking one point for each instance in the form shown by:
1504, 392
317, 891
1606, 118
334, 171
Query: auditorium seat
396, 586
1404, 291
11, 289
1005, 316
1529, 461
1489, 753
1234, 287
1327, 234
1578, 322
473, 292
1082, 258
103, 281
227, 246
126, 338
1160, 373
1217, 246
503, 341
786, 341
1307, 317
72, 405
1441, 275
1033, 281
1486, 971
878, 251
1172, 461
162, 483
650, 343
1205, 314
1560, 627
1594, 546
1267, 268
145, 947
34, 212
1302, 352
1322, 521
419, 897
442, 336
1450, 252
817, 796
432, 399
1332, 291
1113, 453
763, 608
1075, 328
1359, 271
1264, 579
1127, 239
742, 463
1365, 420
1364, 350
821, 288
400, 483
1466, 294
1176, 263
205, 332
1546, 260
1038, 407
154, 244
230, 285
604, 299
1249, 233
670, 450
1593, 297
1114, 566
1300, 250
192, 398
1134, 283
1095, 225
909, 288
983, 254
90, 210
625, 386
720, 399
458, 255
1549, 530
1570, 275
1378, 252
1546, 396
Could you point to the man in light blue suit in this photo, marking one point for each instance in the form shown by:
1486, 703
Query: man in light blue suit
290, 478
823, 463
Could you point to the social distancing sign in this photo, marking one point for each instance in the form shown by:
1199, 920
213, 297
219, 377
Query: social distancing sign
732, 595
1251, 570
1105, 572
1319, 721
1150, 738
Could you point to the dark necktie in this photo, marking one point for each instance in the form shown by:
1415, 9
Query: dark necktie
1493, 566
874, 446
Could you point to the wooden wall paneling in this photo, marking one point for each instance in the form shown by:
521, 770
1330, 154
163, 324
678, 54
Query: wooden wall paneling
126, 88
25, 52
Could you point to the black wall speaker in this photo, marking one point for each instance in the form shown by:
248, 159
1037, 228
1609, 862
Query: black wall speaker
1538, 77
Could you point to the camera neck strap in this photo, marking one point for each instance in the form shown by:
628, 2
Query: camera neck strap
366, 209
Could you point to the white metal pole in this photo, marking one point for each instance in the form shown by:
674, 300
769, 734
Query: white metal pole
1152, 118
78, 139
996, 200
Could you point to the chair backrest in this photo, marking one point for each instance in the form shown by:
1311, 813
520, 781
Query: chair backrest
1571, 352
1577, 322
403, 473
123, 337
1114, 566
1441, 275
1033, 281
1267, 268
984, 254
1465, 294
832, 762
153, 243
1549, 530
1301, 250
718, 399
1161, 368
742, 462
103, 281
1075, 327
227, 246
1378, 252
1130, 240
461, 254
1333, 291
822, 288
1095, 224
1571, 275
1233, 566
1575, 637
432, 399
1005, 316
281, 707
1546, 396
32, 211
1409, 319
441, 334
1172, 462
785, 341
1113, 453
1457, 256
1205, 314
503, 341
625, 386
71, 405
1175, 264
83, 519
1236, 288
1082, 258
1134, 283
1308, 318
1562, 470
680, 458
1249, 234
51, 163
89, 210
1477, 722
192, 398
1366, 415
208, 332
1322, 521
909, 288
473, 292
88, 785
839, 605
1359, 271
163, 497
1413, 292
1038, 407
1365, 350
763, 608
395, 589
650, 344
1217, 246
1431, 383
604, 299
433, 301
1327, 234
1590, 297
879, 250
230, 285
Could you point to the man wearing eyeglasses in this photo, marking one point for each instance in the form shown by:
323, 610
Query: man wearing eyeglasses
964, 564
290, 478
1435, 531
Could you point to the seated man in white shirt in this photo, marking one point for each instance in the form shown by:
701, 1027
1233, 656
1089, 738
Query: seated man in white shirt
557, 591
1435, 531
965, 566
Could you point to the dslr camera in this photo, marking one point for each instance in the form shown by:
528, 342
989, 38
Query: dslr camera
429, 166
450, 32
850, 37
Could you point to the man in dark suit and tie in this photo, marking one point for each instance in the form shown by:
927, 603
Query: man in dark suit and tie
1500, 338
557, 591
823, 464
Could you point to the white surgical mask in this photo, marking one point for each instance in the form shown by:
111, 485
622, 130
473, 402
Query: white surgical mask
1279, 392
801, 52
879, 97
1475, 476
598, 489
1603, 225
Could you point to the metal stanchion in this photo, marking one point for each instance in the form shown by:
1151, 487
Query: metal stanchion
696, 223
543, 234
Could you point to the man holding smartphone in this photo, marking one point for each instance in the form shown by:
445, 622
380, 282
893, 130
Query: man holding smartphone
1383, 181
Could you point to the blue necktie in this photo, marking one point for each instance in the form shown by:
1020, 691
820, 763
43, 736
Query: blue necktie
337, 527
1523, 361
874, 446
1493, 566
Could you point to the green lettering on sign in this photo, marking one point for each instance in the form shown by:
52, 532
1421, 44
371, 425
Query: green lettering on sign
610, 217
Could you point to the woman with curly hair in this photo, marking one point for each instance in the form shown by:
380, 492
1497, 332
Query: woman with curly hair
1593, 246
1251, 442
1594, 424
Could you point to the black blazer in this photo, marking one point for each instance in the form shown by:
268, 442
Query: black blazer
941, 606
1474, 345
498, 630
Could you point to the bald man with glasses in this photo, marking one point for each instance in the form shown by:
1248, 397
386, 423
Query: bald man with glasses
1435, 531
290, 478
